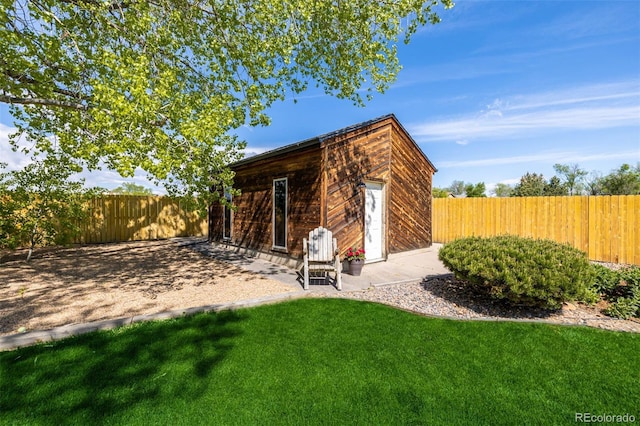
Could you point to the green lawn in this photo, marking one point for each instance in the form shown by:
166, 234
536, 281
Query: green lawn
323, 361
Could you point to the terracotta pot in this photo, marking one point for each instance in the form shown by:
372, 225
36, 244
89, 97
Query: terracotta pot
355, 266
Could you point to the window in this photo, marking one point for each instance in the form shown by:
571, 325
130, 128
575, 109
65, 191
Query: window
226, 218
280, 213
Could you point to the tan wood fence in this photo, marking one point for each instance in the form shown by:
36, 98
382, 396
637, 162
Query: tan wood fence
115, 218
607, 228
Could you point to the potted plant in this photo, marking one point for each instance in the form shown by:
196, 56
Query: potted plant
355, 259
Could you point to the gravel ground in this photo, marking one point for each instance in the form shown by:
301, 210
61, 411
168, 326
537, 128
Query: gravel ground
77, 285
444, 296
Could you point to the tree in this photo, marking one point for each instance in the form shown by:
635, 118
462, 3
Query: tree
457, 187
160, 85
40, 205
555, 187
503, 190
439, 192
573, 177
530, 185
7, 225
623, 181
131, 188
474, 191
593, 183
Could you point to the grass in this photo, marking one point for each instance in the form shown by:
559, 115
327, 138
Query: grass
323, 361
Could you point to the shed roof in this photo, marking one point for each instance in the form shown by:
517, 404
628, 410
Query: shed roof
319, 139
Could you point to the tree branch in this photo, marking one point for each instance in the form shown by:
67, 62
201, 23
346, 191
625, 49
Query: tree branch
23, 78
111, 6
40, 101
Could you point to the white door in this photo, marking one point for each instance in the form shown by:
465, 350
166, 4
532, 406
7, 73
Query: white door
373, 222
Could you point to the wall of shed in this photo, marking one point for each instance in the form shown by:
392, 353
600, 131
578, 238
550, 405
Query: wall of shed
409, 196
215, 222
252, 220
352, 158
322, 190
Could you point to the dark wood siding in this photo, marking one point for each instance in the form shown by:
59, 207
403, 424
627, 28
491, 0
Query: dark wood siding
252, 220
409, 196
358, 156
215, 222
322, 178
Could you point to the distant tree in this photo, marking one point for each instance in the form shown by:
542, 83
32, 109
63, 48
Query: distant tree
475, 191
131, 188
440, 192
572, 177
503, 190
623, 181
530, 185
593, 183
457, 187
40, 205
555, 187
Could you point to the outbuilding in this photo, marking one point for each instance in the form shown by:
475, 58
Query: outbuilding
370, 184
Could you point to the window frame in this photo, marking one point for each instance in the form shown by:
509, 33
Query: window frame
227, 209
274, 246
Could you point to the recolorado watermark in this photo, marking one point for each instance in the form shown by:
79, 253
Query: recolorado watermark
604, 418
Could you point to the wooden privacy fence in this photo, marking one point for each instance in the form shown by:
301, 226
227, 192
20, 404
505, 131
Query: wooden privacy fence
607, 228
114, 218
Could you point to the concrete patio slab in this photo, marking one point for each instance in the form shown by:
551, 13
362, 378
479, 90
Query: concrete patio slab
403, 267
410, 266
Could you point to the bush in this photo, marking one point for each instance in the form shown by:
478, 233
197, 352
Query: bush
40, 204
621, 288
539, 273
623, 307
606, 280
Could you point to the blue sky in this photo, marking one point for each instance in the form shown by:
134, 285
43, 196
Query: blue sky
498, 89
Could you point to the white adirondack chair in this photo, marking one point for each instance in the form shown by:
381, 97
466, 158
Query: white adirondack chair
321, 254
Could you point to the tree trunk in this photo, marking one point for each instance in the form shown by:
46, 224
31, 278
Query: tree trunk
33, 241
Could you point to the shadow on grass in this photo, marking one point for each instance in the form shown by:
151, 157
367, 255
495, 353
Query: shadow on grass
90, 377
455, 291
322, 361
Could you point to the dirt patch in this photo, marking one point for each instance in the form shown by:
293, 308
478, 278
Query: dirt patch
97, 282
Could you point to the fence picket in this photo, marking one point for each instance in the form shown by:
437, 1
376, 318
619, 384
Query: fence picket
605, 227
115, 218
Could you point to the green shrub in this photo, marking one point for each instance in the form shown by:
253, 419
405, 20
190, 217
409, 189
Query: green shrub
621, 288
623, 307
524, 271
631, 275
606, 280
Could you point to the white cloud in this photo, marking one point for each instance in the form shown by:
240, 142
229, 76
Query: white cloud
598, 106
628, 91
14, 160
600, 18
103, 178
555, 157
250, 151
509, 181
110, 179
